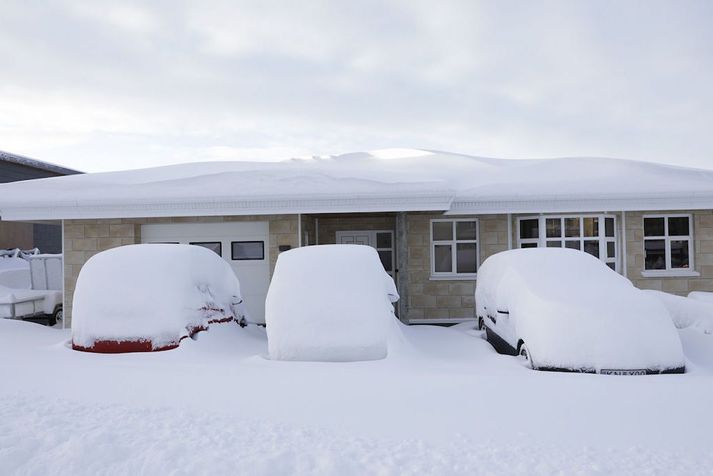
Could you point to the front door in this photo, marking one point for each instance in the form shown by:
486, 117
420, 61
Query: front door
381, 240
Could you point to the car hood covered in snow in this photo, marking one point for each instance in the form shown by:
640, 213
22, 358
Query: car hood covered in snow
575, 313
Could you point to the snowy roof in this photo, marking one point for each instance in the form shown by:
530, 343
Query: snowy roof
386, 180
35, 164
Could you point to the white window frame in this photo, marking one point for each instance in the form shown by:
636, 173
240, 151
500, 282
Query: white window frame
454, 275
669, 271
602, 238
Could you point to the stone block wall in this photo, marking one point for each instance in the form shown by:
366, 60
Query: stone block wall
85, 238
437, 298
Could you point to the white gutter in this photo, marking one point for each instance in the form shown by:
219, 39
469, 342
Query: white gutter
193, 207
572, 205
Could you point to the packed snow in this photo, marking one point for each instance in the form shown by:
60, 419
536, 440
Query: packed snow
152, 292
446, 405
371, 180
701, 296
695, 311
15, 272
330, 303
574, 312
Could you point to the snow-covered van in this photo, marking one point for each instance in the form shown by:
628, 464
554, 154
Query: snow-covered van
561, 309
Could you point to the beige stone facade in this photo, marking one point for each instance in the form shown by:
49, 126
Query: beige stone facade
427, 297
85, 238
436, 298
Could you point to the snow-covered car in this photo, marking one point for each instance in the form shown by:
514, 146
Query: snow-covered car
561, 309
330, 303
148, 297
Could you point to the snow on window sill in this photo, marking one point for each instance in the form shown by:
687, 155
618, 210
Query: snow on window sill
670, 273
453, 277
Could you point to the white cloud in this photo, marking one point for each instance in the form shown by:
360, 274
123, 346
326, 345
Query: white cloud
101, 85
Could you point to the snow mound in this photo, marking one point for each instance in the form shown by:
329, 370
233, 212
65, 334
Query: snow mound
330, 303
573, 312
695, 311
701, 296
150, 296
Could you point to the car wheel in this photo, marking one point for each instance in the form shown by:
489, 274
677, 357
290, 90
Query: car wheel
481, 324
524, 354
57, 316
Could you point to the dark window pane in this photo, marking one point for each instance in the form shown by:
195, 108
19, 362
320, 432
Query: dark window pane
387, 260
554, 244
653, 227
572, 244
611, 249
247, 250
612, 266
214, 246
679, 254
442, 230
465, 230
571, 227
465, 258
592, 247
383, 240
528, 245
442, 260
678, 226
529, 228
591, 226
655, 254
609, 226
554, 227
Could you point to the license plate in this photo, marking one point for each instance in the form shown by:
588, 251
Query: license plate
623, 372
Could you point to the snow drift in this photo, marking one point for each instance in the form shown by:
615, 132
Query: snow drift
149, 297
330, 303
695, 311
573, 312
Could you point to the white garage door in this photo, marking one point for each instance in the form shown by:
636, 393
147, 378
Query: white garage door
244, 245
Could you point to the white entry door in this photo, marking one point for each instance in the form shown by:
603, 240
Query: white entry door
381, 240
244, 245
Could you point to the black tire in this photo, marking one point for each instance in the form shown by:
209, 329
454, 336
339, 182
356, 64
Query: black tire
56, 316
481, 324
524, 353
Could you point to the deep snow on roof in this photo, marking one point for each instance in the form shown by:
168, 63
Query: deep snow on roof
383, 174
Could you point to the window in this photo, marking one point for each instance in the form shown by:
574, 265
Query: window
247, 250
215, 246
593, 234
454, 248
668, 243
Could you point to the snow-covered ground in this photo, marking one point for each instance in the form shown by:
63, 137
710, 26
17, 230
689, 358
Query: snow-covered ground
442, 403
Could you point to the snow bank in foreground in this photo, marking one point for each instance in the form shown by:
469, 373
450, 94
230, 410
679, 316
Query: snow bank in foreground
701, 296
695, 311
149, 297
330, 303
573, 312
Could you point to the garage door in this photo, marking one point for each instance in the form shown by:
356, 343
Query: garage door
244, 245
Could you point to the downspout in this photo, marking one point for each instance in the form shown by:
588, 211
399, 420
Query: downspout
64, 292
509, 231
299, 230
624, 271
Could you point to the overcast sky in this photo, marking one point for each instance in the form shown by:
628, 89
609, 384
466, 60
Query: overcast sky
116, 85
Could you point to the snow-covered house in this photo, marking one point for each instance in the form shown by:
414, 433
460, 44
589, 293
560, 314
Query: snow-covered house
433, 217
